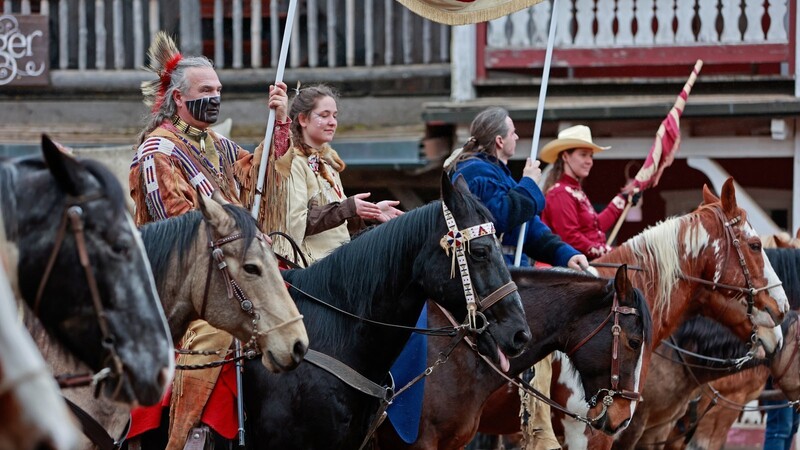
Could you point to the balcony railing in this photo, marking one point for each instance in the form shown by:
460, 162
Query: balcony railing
756, 35
114, 34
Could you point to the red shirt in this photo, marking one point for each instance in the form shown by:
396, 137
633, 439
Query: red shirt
570, 214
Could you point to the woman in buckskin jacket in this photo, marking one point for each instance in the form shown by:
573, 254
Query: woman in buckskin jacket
316, 213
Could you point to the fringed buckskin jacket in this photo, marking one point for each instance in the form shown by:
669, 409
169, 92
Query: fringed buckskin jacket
513, 204
318, 216
169, 167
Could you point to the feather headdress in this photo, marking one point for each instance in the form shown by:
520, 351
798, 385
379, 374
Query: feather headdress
164, 58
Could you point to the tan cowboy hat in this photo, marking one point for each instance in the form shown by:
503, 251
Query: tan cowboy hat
462, 12
579, 136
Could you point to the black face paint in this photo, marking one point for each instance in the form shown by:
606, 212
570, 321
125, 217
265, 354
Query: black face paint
205, 109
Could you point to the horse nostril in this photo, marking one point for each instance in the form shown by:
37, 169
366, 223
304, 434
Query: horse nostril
521, 339
47, 444
299, 351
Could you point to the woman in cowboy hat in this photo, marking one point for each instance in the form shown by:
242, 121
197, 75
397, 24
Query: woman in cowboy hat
568, 210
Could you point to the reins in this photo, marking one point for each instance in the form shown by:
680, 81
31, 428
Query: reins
73, 217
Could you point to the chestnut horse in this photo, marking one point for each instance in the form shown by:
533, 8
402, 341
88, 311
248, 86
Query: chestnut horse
676, 378
386, 275
680, 261
563, 308
712, 430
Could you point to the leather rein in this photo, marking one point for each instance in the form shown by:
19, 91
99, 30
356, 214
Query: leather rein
73, 218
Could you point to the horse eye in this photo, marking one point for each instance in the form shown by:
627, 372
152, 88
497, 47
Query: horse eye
479, 253
635, 344
120, 249
252, 269
755, 246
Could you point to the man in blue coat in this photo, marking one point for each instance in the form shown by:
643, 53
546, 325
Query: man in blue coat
483, 162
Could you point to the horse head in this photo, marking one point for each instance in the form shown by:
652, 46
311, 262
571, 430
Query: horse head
248, 297
609, 353
84, 273
733, 258
505, 331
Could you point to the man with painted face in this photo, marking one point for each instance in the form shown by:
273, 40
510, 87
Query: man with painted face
177, 157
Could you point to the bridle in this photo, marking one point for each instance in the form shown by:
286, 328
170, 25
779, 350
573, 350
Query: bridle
458, 241
234, 291
73, 217
776, 379
750, 291
616, 329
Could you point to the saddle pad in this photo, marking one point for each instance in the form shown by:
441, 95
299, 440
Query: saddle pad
219, 413
406, 409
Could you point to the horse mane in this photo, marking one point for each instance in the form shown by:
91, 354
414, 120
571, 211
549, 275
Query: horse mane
164, 238
786, 263
8, 203
711, 338
352, 275
657, 250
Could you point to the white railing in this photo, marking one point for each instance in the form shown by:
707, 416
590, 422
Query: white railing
619, 23
329, 33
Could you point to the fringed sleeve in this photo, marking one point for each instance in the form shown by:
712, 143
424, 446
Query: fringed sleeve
246, 170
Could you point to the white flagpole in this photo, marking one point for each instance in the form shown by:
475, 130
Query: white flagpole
537, 130
262, 168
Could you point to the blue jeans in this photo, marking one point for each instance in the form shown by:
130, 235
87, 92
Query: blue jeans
781, 425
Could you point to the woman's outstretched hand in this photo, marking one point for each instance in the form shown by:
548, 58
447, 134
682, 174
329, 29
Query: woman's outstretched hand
366, 210
388, 210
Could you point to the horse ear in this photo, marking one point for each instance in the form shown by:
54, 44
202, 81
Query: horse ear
65, 169
708, 196
728, 197
621, 283
215, 215
219, 198
447, 190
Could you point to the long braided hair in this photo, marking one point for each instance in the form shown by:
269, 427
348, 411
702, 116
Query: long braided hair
487, 125
171, 67
303, 103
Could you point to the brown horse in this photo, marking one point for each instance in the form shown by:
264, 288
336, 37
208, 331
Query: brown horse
746, 386
562, 308
703, 262
32, 413
677, 378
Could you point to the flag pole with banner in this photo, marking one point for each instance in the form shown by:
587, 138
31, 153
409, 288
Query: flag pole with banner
665, 146
537, 129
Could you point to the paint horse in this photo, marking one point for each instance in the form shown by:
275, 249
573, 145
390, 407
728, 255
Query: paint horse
566, 311
386, 276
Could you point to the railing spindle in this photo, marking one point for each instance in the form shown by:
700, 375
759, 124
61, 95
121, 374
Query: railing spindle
255, 33
219, 34
100, 34
83, 34
238, 34
313, 33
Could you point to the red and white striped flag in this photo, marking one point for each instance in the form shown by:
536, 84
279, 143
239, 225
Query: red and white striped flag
668, 139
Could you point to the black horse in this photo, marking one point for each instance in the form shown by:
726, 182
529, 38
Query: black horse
385, 275
79, 265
